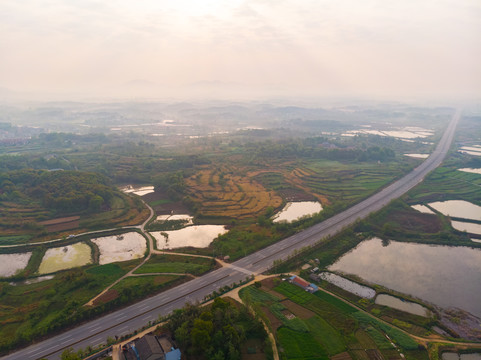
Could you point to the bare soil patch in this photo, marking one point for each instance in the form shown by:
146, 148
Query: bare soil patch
295, 195
299, 311
106, 297
171, 208
63, 226
59, 220
273, 320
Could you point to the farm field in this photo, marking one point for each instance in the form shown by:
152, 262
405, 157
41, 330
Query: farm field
223, 194
176, 264
320, 326
32, 310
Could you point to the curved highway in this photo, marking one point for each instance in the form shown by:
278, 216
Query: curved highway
135, 316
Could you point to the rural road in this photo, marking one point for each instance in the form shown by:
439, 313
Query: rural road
135, 316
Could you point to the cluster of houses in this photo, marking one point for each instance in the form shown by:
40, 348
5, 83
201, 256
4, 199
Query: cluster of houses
150, 347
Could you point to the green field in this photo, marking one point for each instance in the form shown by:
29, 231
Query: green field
335, 328
176, 264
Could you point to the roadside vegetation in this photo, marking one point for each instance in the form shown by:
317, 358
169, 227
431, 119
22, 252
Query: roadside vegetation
223, 330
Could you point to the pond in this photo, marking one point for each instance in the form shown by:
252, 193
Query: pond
199, 236
348, 285
471, 170
466, 226
11, 263
418, 156
448, 276
65, 257
140, 191
396, 303
409, 132
295, 210
122, 247
458, 208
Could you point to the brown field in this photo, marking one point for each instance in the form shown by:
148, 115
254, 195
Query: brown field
298, 310
415, 221
222, 194
273, 320
59, 220
61, 224
106, 297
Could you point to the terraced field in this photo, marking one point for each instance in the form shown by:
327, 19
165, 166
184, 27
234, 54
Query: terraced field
221, 194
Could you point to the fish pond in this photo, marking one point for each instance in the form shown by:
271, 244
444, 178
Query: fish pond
348, 285
448, 276
295, 210
199, 236
65, 257
11, 263
400, 304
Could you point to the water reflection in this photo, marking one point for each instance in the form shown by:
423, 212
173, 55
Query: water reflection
444, 275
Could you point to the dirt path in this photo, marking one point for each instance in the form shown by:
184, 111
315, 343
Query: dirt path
234, 294
131, 272
152, 250
161, 252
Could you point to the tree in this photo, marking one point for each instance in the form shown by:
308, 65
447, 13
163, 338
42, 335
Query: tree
166, 239
68, 354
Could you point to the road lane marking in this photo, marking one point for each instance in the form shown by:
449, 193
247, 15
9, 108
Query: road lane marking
31, 351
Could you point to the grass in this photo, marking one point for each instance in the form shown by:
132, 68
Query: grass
400, 338
339, 304
159, 202
325, 334
297, 346
176, 264
256, 296
14, 239
294, 293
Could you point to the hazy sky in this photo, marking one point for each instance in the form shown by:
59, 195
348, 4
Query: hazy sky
290, 47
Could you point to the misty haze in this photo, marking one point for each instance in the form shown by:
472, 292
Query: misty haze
241, 180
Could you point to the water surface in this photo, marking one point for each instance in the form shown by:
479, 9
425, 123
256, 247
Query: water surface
396, 303
466, 226
448, 276
471, 170
295, 210
458, 208
348, 285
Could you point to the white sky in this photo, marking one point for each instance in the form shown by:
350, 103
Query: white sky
297, 47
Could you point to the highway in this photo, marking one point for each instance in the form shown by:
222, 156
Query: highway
135, 316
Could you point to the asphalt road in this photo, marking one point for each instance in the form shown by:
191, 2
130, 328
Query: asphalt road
133, 317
